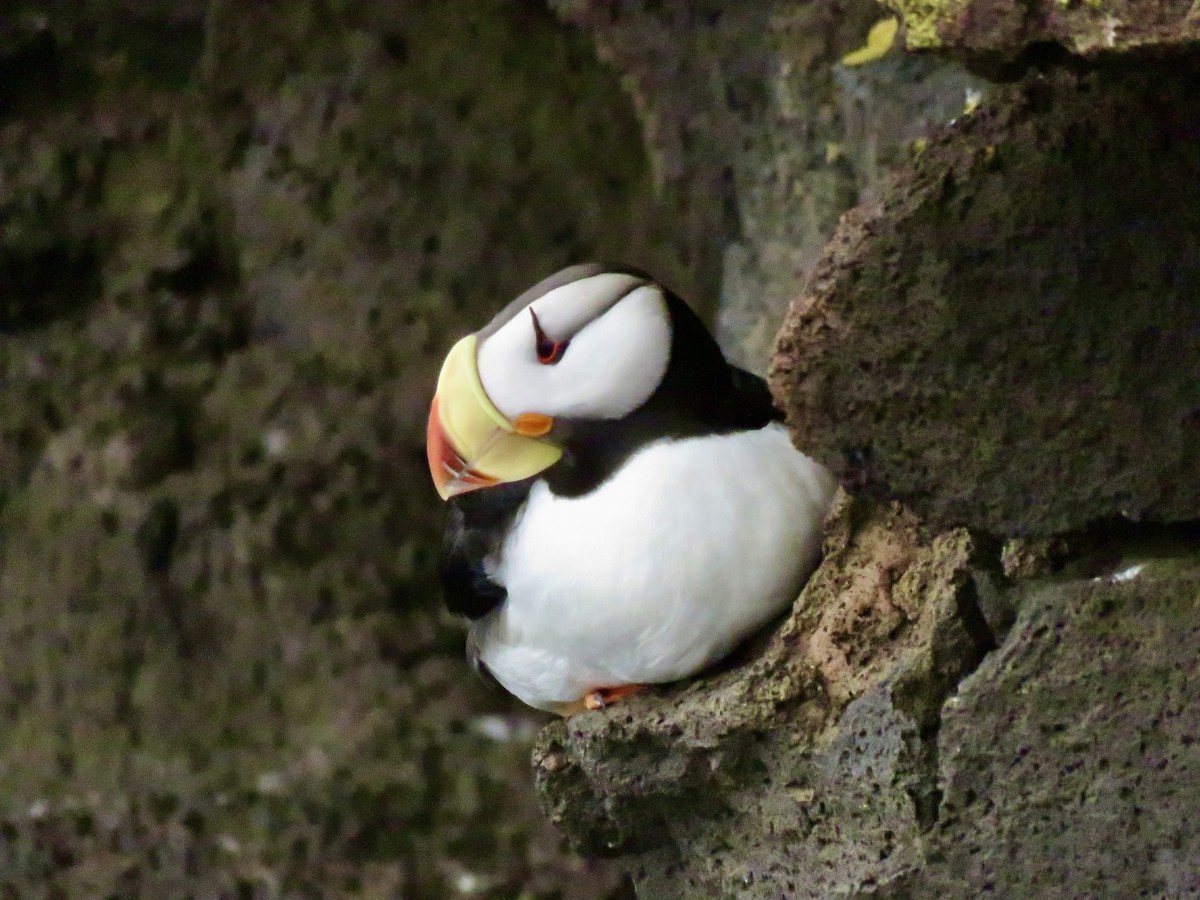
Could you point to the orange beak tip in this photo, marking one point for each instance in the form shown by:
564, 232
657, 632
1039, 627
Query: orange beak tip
452, 475
436, 450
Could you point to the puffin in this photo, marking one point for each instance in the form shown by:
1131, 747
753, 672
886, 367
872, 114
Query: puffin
625, 506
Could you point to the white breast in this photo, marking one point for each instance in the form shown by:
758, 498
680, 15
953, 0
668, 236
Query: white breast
664, 569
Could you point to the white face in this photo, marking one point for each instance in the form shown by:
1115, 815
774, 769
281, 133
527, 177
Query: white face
620, 343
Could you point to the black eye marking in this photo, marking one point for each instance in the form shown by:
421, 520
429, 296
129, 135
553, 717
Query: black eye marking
548, 351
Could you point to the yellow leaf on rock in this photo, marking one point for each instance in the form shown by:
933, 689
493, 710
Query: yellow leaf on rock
879, 41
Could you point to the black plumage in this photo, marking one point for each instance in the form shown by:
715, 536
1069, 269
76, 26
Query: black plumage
475, 528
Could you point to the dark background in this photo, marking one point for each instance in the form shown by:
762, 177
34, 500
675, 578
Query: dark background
236, 239
235, 242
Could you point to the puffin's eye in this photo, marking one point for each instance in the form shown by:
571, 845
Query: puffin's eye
548, 351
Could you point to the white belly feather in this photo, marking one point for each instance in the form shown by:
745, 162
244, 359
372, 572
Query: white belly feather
680, 555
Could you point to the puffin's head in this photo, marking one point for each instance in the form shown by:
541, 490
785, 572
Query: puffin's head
585, 344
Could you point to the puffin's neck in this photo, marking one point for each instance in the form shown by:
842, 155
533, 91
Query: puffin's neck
594, 450
697, 397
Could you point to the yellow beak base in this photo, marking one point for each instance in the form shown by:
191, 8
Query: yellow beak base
469, 443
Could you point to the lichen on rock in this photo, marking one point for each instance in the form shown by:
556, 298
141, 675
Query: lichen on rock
995, 36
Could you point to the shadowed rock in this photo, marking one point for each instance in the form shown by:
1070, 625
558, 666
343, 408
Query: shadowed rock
760, 138
1008, 341
1072, 756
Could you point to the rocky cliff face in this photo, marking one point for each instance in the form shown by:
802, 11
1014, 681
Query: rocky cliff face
922, 725
761, 136
992, 683
235, 240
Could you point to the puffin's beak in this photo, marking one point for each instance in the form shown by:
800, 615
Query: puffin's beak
470, 443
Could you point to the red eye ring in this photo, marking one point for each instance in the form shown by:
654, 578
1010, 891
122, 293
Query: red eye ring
548, 351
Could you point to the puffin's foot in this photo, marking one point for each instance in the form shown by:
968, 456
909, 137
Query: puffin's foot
603, 697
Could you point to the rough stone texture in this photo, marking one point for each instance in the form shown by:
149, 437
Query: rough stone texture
1004, 340
997, 35
1008, 340
1071, 757
826, 763
760, 138
810, 764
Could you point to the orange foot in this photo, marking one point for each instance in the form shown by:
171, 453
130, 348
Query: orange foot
602, 697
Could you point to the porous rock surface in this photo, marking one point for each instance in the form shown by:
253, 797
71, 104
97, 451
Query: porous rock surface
811, 763
1008, 340
992, 35
901, 736
991, 684
1071, 757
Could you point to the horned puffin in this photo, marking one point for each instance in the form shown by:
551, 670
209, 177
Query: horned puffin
625, 507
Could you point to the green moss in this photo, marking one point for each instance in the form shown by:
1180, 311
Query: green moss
924, 19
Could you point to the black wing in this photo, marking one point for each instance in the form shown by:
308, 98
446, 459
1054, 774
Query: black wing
476, 528
753, 398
